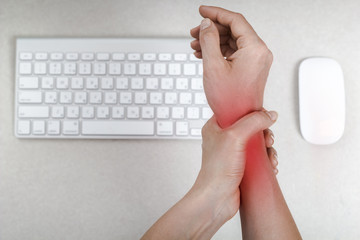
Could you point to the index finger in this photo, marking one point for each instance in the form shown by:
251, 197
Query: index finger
235, 21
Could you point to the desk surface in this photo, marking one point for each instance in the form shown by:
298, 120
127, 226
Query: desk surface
113, 189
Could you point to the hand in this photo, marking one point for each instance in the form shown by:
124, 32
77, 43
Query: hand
234, 86
272, 153
223, 159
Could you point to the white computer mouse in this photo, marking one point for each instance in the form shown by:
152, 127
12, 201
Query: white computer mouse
321, 100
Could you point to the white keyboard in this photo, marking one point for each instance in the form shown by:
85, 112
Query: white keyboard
108, 88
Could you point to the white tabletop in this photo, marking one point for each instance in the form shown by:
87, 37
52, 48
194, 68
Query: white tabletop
104, 189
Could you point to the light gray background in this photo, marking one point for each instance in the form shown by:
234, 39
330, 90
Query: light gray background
104, 189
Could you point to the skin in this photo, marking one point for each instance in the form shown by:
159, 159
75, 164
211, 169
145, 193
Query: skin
215, 196
237, 169
234, 87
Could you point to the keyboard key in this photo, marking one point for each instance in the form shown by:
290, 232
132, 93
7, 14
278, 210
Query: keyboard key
164, 128
40, 68
70, 127
174, 69
80, 97
87, 56
133, 112
178, 113
193, 112
25, 68
85, 68
38, 127
207, 113
77, 83
149, 57
156, 98
182, 83
125, 97
41, 56
23, 127
144, 68
29, 97
53, 127
197, 84
58, 112
99, 68
33, 111
107, 83
118, 56
47, 83
180, 57
147, 112
196, 132
114, 68
182, 128
70, 68
88, 112
118, 112
72, 56
152, 83
200, 98
185, 98
189, 69
164, 57
26, 56
62, 83
28, 82
95, 97
55, 68
122, 83
118, 127
110, 98
137, 83
162, 112
170, 98
103, 56
72, 112
133, 56
50, 97
159, 68
66, 97
167, 83
129, 68
140, 98
56, 56
92, 83
200, 69
102, 112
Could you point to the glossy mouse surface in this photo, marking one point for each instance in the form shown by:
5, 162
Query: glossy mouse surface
321, 100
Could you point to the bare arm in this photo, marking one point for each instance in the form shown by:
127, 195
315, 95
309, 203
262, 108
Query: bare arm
234, 87
215, 196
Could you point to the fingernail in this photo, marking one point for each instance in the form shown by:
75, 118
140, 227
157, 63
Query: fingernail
276, 171
205, 23
272, 114
275, 162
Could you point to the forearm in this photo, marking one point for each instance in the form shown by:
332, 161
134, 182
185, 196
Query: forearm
197, 216
260, 193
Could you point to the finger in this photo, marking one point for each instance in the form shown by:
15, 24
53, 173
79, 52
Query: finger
237, 23
252, 123
222, 30
198, 54
210, 44
195, 45
269, 138
273, 157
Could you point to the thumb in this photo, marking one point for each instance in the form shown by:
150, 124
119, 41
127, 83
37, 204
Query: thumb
252, 123
210, 42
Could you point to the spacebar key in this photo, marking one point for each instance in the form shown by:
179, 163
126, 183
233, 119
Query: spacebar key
118, 128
